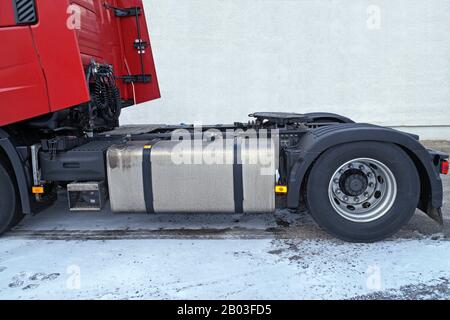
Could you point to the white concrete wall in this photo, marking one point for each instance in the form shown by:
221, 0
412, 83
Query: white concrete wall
380, 61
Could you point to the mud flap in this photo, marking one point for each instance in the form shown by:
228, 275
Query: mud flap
435, 214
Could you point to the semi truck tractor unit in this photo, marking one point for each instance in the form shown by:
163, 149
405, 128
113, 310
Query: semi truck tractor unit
68, 68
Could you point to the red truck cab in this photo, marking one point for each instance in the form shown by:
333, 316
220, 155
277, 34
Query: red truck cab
46, 51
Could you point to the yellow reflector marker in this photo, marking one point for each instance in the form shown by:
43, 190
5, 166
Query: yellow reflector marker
147, 147
38, 190
281, 189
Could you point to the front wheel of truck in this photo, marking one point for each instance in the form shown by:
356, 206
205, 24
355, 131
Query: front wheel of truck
363, 191
10, 213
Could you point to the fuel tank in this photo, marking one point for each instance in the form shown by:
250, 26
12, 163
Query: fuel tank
229, 175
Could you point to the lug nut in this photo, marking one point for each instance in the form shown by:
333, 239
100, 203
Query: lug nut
336, 180
366, 194
371, 184
345, 198
356, 199
338, 191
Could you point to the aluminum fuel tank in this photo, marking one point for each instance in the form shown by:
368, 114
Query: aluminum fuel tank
226, 175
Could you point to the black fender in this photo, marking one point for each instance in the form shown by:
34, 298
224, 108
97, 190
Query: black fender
327, 117
316, 141
19, 171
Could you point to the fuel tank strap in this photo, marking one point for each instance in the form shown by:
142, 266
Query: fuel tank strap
147, 177
238, 183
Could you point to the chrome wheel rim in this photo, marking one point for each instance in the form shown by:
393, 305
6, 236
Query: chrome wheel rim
362, 190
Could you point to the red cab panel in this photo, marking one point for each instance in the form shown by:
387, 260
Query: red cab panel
59, 54
106, 37
7, 13
132, 57
23, 91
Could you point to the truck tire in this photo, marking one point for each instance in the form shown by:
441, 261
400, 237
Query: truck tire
10, 213
363, 191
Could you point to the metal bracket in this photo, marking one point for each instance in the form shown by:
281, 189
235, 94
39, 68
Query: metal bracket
35, 164
143, 78
124, 12
35, 168
140, 45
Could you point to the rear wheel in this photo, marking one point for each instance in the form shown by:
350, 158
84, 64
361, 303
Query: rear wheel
363, 191
10, 213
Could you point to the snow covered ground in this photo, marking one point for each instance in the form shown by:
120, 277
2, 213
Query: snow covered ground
222, 269
58, 254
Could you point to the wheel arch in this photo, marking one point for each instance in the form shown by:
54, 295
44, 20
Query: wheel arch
10, 155
317, 141
328, 117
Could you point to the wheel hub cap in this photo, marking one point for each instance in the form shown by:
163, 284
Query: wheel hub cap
362, 190
353, 182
